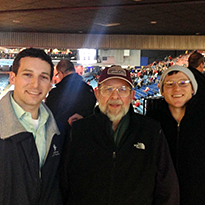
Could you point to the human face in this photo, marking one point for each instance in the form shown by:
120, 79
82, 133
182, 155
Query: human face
177, 96
200, 68
31, 83
114, 106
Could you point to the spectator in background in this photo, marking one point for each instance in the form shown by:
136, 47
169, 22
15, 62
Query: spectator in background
140, 81
117, 156
183, 126
146, 89
196, 60
30, 141
71, 95
196, 64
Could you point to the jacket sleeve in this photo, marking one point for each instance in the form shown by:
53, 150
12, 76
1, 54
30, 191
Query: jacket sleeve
167, 187
64, 178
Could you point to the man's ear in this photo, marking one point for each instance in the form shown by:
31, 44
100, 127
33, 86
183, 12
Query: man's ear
132, 95
12, 76
202, 67
96, 91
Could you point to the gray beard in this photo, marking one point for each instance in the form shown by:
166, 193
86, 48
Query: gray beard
113, 117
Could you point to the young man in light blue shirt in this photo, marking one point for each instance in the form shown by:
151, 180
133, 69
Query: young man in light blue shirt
30, 140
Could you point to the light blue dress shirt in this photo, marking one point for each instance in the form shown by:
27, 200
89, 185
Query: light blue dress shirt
37, 127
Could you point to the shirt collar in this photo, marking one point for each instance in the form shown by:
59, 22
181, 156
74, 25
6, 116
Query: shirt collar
20, 112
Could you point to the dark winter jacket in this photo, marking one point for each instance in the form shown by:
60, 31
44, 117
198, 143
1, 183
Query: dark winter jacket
199, 98
71, 95
186, 141
139, 171
21, 181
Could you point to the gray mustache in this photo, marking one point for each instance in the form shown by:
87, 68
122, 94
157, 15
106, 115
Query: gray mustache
119, 102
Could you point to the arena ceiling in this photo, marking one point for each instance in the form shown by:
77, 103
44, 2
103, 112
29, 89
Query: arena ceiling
145, 17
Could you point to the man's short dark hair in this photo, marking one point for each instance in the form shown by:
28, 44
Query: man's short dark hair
195, 59
65, 66
34, 53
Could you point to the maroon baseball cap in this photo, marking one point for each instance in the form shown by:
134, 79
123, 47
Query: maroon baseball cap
114, 72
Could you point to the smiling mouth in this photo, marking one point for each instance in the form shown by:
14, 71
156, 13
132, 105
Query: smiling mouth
114, 105
33, 93
177, 96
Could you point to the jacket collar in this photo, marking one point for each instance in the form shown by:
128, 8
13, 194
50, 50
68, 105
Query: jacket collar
12, 127
70, 77
105, 121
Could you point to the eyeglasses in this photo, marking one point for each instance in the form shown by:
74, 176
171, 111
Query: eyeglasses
181, 83
123, 91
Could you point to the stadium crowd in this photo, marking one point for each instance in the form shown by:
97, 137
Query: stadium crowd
58, 146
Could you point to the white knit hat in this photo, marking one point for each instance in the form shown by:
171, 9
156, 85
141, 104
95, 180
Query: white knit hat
182, 69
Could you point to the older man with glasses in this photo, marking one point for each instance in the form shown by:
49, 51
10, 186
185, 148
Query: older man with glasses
117, 156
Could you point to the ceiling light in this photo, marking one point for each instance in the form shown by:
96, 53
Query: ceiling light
153, 22
108, 25
16, 21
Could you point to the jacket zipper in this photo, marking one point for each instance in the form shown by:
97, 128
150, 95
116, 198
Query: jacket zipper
177, 147
114, 156
112, 178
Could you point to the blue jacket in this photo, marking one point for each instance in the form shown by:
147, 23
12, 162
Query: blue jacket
21, 182
71, 95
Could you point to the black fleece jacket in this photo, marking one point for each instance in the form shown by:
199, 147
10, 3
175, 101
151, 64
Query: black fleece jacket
186, 141
138, 171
